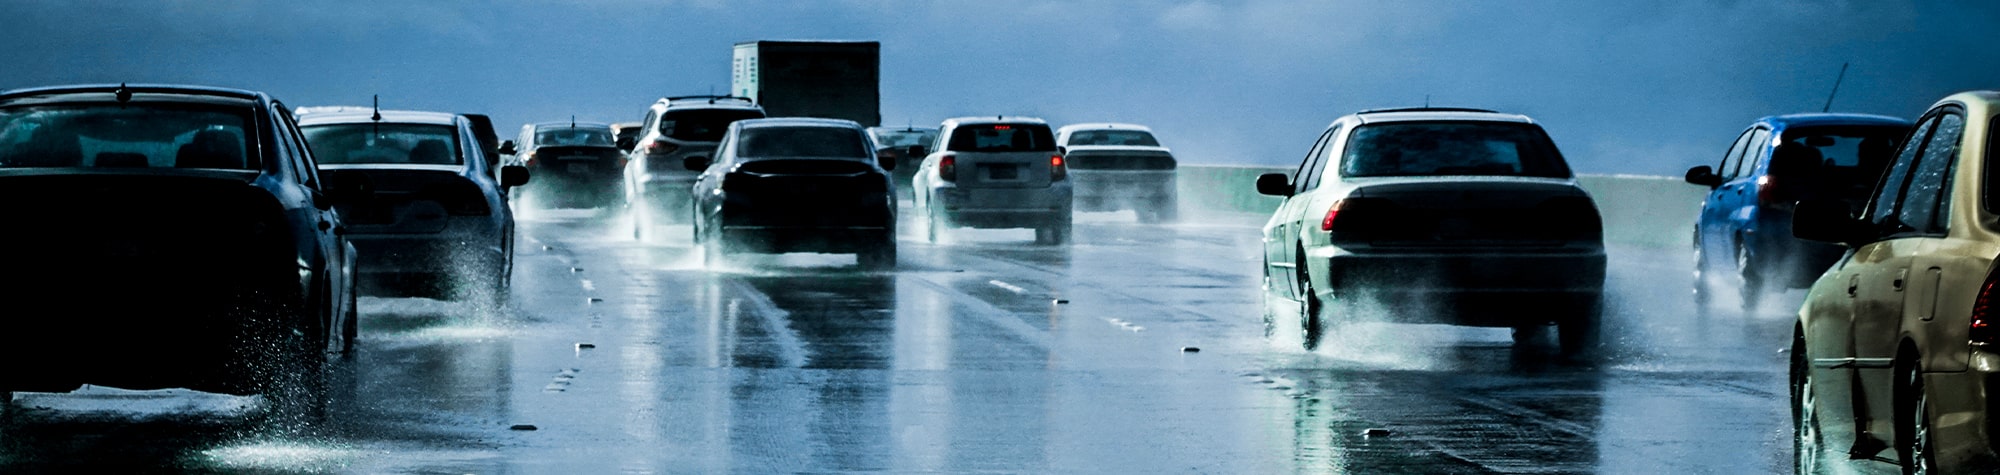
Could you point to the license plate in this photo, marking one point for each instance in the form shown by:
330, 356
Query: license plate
1002, 172
579, 168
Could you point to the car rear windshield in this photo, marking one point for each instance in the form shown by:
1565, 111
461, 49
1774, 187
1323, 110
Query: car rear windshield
1842, 147
1002, 138
903, 138
776, 142
413, 144
1112, 137
142, 135
703, 125
566, 136
1452, 148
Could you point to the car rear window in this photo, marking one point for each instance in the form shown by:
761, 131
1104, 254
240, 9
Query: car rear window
703, 125
1446, 148
819, 142
566, 136
1844, 160
412, 144
903, 138
144, 135
1112, 137
1002, 138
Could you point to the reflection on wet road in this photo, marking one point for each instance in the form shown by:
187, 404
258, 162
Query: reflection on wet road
986, 354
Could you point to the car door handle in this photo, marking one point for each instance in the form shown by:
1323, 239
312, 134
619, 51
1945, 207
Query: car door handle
1901, 275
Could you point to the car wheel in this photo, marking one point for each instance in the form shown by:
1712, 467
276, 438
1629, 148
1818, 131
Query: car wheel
882, 257
293, 378
1806, 449
1055, 234
1913, 429
1310, 307
1579, 333
933, 225
350, 328
714, 249
1703, 295
1753, 281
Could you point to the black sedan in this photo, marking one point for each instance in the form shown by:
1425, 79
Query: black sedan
163, 237
429, 218
795, 185
576, 165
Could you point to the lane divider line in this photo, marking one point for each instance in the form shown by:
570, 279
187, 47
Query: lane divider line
994, 315
791, 349
1010, 287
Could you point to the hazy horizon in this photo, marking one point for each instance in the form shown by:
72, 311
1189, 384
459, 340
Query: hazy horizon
1624, 87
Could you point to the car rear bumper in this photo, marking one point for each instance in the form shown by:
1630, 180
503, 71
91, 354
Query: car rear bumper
1492, 287
1961, 406
833, 239
1003, 207
1102, 191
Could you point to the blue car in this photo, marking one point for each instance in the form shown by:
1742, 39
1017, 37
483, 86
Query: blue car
1744, 233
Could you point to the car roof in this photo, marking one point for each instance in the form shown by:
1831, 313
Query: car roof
1836, 118
190, 93
1000, 119
345, 115
798, 121
1103, 126
1426, 114
707, 102
578, 124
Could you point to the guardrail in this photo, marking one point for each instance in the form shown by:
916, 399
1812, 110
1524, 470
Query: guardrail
1648, 211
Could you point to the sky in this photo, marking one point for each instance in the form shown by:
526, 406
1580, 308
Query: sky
1629, 87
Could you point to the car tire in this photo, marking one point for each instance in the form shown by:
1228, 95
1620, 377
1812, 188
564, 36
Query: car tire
934, 225
641, 226
1160, 213
1753, 281
881, 257
1704, 295
1054, 234
350, 328
1579, 334
1807, 449
293, 381
1915, 448
714, 249
1311, 327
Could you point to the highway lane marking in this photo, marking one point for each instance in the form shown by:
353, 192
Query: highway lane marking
589, 286
791, 349
1010, 287
995, 315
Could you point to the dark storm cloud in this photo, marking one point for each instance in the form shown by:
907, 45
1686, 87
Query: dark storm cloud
1625, 87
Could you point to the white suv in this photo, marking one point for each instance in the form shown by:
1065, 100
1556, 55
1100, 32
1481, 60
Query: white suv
657, 180
997, 172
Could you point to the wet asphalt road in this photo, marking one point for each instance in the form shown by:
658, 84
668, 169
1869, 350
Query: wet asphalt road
629, 358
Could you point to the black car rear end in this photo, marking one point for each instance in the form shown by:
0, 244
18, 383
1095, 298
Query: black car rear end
580, 176
807, 205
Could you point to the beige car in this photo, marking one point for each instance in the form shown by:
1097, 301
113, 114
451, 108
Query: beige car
1895, 345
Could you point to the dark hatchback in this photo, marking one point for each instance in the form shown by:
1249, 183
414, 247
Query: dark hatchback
166, 236
1744, 230
796, 185
575, 164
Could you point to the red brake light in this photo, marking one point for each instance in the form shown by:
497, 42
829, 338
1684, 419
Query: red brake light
1766, 192
1332, 212
1003, 127
1057, 169
1983, 331
660, 147
948, 168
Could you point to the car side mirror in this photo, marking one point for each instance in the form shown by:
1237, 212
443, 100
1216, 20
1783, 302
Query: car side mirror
1704, 176
695, 163
919, 151
627, 142
513, 175
1829, 221
507, 148
1274, 184
887, 161
1062, 150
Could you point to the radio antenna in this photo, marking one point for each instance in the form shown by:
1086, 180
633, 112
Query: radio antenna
1427, 101
1836, 88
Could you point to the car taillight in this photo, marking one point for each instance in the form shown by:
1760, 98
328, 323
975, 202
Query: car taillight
1767, 192
660, 147
1057, 169
1332, 214
948, 168
1984, 331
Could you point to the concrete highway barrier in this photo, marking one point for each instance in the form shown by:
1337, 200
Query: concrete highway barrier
1648, 211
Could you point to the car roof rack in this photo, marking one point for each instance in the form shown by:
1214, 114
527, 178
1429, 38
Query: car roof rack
1425, 109
711, 98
